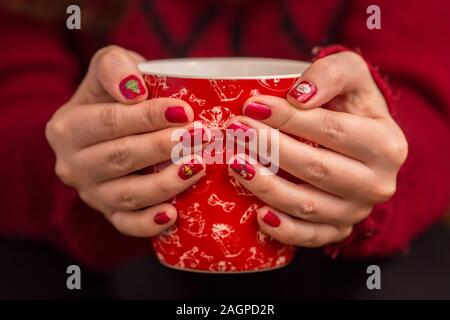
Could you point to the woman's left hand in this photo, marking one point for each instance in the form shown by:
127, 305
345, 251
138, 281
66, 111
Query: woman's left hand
361, 151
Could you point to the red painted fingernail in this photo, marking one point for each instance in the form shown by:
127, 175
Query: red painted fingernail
188, 170
271, 219
175, 115
243, 168
161, 218
240, 128
257, 111
194, 137
303, 91
131, 87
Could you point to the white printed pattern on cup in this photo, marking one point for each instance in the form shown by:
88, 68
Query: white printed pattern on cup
223, 234
227, 90
193, 221
214, 200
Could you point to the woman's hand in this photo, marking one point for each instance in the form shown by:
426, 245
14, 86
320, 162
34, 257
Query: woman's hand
362, 150
108, 131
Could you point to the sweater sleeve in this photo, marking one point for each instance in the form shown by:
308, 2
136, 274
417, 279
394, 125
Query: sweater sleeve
412, 56
37, 75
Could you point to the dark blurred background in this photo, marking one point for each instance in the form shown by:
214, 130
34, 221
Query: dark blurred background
29, 270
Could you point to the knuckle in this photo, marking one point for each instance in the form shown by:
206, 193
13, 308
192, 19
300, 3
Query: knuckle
163, 145
287, 119
384, 191
56, 129
120, 157
264, 190
148, 116
304, 208
331, 127
396, 150
108, 119
105, 49
345, 232
362, 213
126, 199
109, 56
354, 57
332, 69
164, 188
64, 173
316, 171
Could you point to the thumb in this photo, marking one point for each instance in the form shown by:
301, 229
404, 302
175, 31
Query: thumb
326, 78
113, 75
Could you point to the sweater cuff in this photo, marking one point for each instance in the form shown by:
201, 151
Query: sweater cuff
367, 236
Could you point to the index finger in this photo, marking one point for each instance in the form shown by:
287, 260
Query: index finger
107, 121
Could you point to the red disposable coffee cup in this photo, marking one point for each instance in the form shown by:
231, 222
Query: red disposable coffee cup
216, 229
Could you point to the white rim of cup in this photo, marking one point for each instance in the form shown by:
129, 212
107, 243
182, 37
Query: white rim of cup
226, 68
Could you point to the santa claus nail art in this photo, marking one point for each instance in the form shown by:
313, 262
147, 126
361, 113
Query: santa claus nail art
131, 87
188, 170
303, 91
243, 168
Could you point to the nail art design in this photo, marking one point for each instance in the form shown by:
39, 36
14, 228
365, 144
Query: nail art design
243, 168
189, 169
303, 91
175, 115
131, 87
271, 219
257, 111
161, 218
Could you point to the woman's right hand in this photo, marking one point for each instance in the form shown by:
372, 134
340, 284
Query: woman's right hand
107, 131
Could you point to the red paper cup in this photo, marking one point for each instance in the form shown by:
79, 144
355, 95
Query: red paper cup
216, 229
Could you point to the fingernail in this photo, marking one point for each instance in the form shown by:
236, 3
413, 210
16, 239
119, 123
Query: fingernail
271, 219
161, 218
248, 132
194, 136
175, 115
131, 87
257, 111
188, 170
243, 168
303, 91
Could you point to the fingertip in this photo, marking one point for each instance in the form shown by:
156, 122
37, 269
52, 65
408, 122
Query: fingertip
242, 166
302, 94
257, 110
177, 111
133, 89
144, 223
192, 166
268, 217
165, 215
